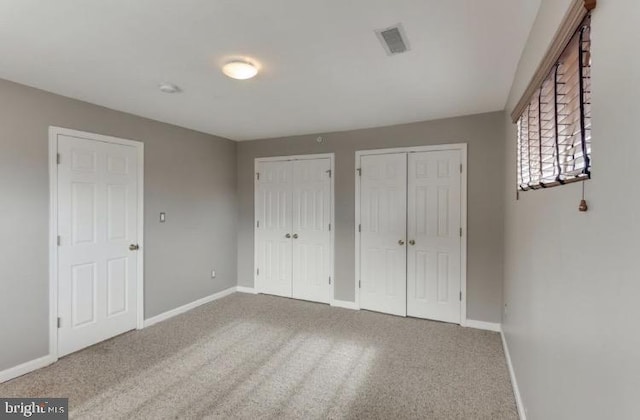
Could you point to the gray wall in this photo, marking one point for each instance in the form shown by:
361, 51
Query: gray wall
484, 134
191, 176
571, 281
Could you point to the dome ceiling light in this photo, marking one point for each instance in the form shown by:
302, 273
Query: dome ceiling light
241, 70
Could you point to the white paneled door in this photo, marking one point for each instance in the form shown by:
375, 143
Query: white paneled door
410, 233
433, 230
293, 228
383, 216
273, 215
311, 235
97, 226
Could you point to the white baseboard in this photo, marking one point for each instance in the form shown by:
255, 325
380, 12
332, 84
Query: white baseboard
41, 362
482, 325
514, 383
184, 308
26, 367
344, 304
243, 289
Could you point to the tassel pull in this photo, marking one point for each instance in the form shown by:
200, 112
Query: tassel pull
583, 206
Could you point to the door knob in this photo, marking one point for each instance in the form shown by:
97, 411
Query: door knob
288, 235
295, 236
400, 242
134, 247
412, 242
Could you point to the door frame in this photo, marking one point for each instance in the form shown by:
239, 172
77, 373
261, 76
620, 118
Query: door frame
256, 161
54, 132
462, 147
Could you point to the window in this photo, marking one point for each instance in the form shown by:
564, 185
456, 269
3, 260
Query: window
554, 130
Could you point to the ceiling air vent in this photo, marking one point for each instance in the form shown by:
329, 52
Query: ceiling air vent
393, 39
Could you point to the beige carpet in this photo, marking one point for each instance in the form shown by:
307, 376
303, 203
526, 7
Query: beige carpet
249, 356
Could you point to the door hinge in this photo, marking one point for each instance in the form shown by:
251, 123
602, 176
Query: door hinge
460, 296
329, 172
59, 322
329, 227
359, 171
258, 176
329, 279
257, 272
359, 284
58, 158
461, 168
461, 232
258, 223
59, 240
359, 228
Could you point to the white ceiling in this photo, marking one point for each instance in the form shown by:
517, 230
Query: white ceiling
322, 67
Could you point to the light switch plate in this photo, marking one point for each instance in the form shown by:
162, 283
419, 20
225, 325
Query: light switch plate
162, 217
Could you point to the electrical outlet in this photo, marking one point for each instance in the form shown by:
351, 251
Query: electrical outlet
213, 274
162, 217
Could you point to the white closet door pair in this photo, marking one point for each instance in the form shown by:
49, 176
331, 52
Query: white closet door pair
293, 238
410, 244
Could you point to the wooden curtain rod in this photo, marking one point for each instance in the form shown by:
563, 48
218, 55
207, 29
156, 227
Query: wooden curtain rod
570, 23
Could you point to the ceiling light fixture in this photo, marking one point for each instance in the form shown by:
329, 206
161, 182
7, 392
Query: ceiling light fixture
169, 88
240, 70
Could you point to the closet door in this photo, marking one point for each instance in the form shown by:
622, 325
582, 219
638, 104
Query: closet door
433, 230
310, 232
383, 210
273, 236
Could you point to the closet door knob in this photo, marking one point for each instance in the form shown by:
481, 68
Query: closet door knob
288, 235
400, 242
412, 242
295, 236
